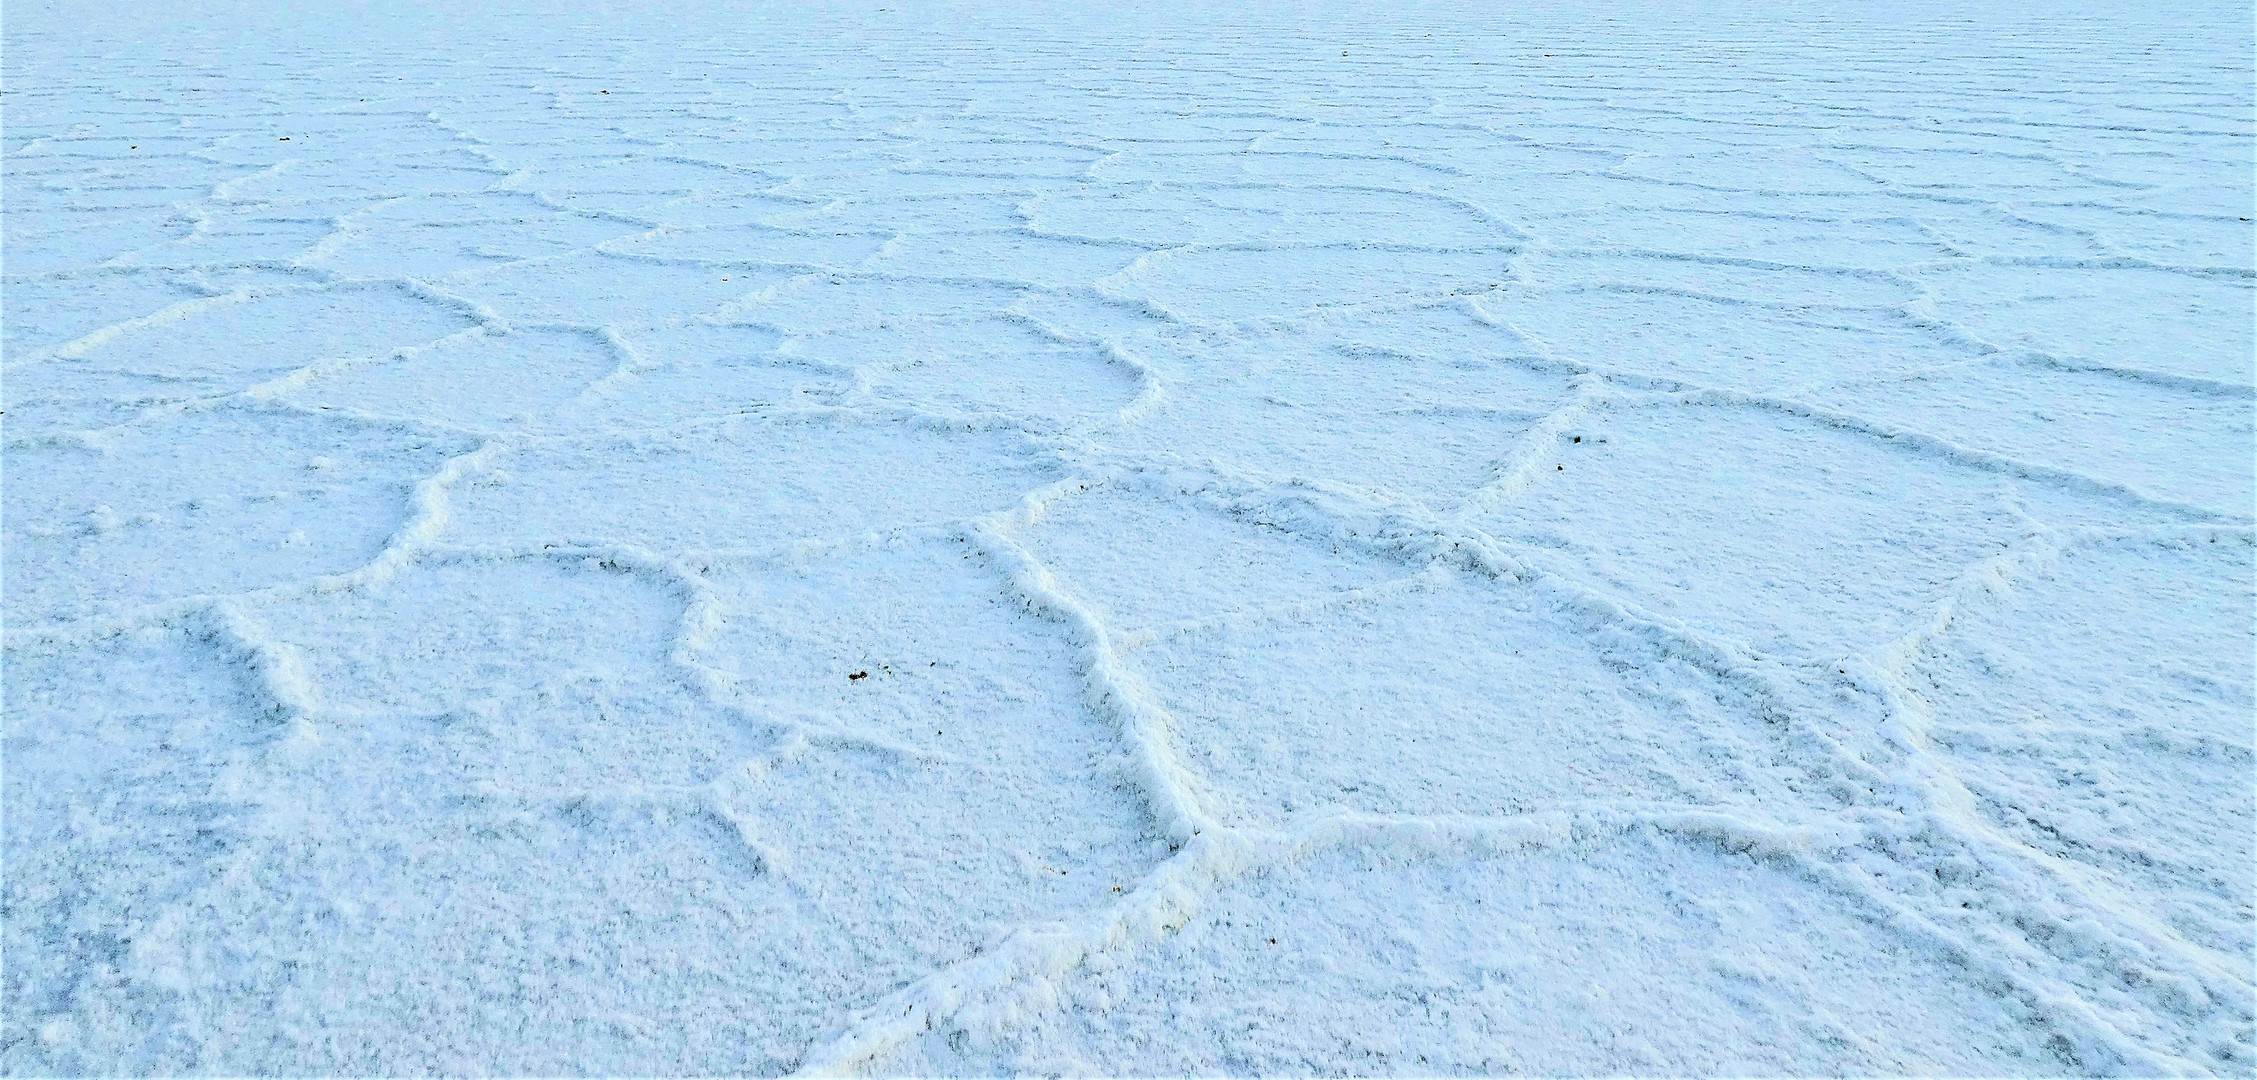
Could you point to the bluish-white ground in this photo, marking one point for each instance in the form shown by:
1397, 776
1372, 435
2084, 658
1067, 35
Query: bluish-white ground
1572, 538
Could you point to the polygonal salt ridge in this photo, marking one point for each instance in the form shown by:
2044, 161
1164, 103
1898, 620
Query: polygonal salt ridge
2103, 500
2095, 692
72, 151
133, 785
257, 140
1619, 512
1003, 159
1321, 130
1295, 158
263, 277
2201, 181
822, 303
189, 693
789, 212
1456, 696
621, 206
2177, 440
233, 236
1171, 215
850, 178
1402, 219
802, 165
766, 481
524, 146
699, 371
656, 177
50, 309
1221, 285
864, 647
2201, 239
2185, 325
305, 495
542, 742
796, 115
932, 213
1015, 256
1449, 355
431, 236
1716, 341
1754, 283
1306, 170
750, 246
92, 241
1281, 413
709, 343
594, 289
1777, 170
909, 663
1568, 181
1893, 239
1160, 552
1140, 121
2128, 569
374, 917
1043, 377
2007, 177
1372, 959
61, 404
491, 638
1981, 230
155, 186
489, 380
317, 175
241, 337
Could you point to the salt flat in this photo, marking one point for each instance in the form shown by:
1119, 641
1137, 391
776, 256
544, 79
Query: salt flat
1572, 538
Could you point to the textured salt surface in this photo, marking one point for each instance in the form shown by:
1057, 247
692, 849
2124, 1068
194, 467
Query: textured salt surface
1578, 539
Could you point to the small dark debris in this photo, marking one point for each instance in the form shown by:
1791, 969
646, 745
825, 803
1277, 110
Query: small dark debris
286, 138
1273, 941
1579, 438
859, 675
1561, 468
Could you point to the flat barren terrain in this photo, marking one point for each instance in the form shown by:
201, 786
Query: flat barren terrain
1572, 538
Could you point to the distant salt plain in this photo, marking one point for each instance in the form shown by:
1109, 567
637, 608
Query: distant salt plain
1573, 538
